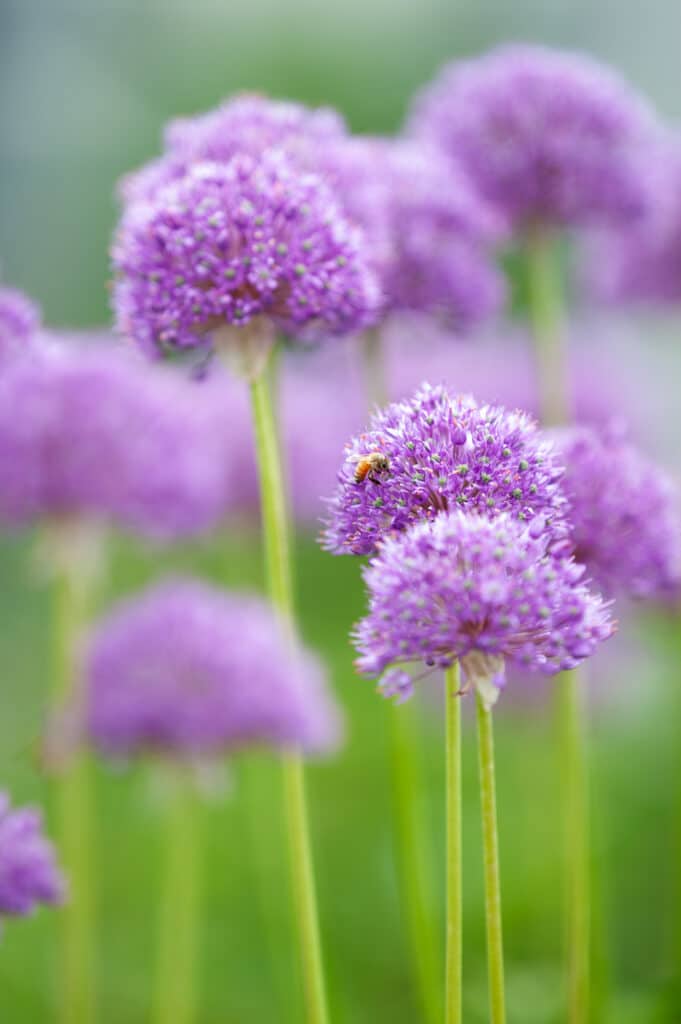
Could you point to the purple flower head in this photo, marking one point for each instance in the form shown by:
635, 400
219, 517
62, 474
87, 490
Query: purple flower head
234, 242
441, 233
625, 513
640, 261
479, 590
442, 452
29, 874
429, 231
98, 433
19, 322
191, 670
546, 135
245, 124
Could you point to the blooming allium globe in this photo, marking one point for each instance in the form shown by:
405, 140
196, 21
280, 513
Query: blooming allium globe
546, 135
625, 512
190, 670
19, 322
29, 874
230, 243
443, 452
103, 435
464, 587
245, 124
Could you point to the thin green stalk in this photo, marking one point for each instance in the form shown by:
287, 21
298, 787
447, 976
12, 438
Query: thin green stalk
547, 321
576, 804
490, 841
411, 832
276, 539
453, 976
414, 859
73, 810
374, 370
178, 937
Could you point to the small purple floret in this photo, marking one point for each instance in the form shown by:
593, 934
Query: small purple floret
29, 874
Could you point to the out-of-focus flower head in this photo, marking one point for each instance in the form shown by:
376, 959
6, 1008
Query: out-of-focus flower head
245, 124
547, 136
463, 587
435, 453
232, 243
640, 261
29, 874
625, 513
95, 432
189, 670
430, 232
19, 322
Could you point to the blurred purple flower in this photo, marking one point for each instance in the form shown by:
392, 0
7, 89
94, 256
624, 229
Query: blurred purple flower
233, 242
19, 322
191, 670
640, 261
625, 513
482, 591
546, 135
429, 231
29, 874
442, 452
98, 433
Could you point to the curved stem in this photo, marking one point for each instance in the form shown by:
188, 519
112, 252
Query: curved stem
488, 802
576, 803
73, 801
453, 1012
546, 316
414, 858
276, 538
176, 989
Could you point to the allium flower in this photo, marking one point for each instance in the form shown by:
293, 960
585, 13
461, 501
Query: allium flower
429, 231
442, 452
641, 261
234, 242
28, 868
246, 124
546, 135
191, 670
625, 512
97, 433
478, 590
19, 322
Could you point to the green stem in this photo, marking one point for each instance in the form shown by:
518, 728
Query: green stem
178, 938
576, 803
546, 317
414, 858
276, 538
374, 370
546, 312
490, 841
454, 850
413, 848
73, 800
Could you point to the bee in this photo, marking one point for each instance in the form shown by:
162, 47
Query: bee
371, 466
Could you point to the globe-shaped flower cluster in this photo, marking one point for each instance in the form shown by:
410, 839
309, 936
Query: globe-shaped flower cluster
229, 243
464, 587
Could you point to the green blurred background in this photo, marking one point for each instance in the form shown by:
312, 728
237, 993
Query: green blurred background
84, 91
